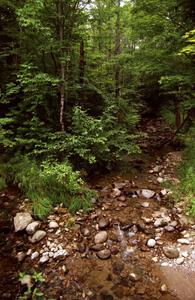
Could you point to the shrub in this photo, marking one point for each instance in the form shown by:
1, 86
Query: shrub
49, 183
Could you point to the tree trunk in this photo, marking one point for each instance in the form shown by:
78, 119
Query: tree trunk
177, 114
62, 65
82, 62
117, 50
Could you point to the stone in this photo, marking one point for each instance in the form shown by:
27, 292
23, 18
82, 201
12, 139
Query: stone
21, 221
65, 269
60, 254
160, 179
85, 232
97, 247
145, 204
103, 223
148, 193
163, 192
53, 225
156, 169
21, 256
104, 254
122, 198
101, 237
183, 241
44, 259
185, 254
180, 260
38, 236
169, 228
164, 288
116, 192
151, 243
134, 276
32, 227
34, 255
171, 252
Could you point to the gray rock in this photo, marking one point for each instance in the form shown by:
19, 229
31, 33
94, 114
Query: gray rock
53, 225
101, 237
21, 221
37, 236
169, 228
151, 243
148, 193
43, 259
32, 227
171, 252
104, 254
103, 223
34, 255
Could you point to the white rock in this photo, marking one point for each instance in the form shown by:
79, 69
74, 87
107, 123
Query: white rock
164, 288
185, 254
37, 236
21, 221
53, 225
43, 259
164, 264
151, 243
163, 192
145, 204
180, 260
183, 241
32, 227
60, 254
160, 179
155, 259
29, 252
51, 254
34, 255
148, 193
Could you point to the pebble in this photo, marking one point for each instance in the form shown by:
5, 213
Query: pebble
148, 193
145, 204
101, 237
180, 260
185, 254
163, 192
183, 241
43, 259
60, 254
151, 243
163, 288
160, 179
21, 256
53, 225
32, 227
116, 192
34, 255
103, 223
104, 254
37, 236
134, 276
171, 252
85, 232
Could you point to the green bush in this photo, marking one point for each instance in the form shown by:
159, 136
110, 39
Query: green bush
48, 184
2, 183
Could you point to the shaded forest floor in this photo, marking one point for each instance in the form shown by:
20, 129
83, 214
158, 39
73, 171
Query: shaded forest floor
140, 220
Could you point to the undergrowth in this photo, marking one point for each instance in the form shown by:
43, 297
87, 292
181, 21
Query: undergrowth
48, 183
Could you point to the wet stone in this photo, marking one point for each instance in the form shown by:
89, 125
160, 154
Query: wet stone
104, 254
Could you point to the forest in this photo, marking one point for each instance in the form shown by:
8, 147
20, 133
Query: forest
81, 82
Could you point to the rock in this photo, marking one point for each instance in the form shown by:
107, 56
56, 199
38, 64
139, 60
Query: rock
97, 247
116, 192
134, 276
171, 252
185, 254
60, 254
43, 259
163, 192
164, 288
156, 169
169, 228
122, 198
93, 200
103, 223
85, 232
160, 179
53, 225
34, 255
21, 256
65, 269
183, 241
180, 260
104, 254
151, 243
21, 221
32, 227
148, 193
160, 222
37, 236
101, 237
145, 204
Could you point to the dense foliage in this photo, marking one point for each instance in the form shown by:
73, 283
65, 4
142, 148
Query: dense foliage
75, 78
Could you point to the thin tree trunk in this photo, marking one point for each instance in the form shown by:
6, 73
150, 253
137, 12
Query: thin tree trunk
82, 62
62, 65
117, 50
